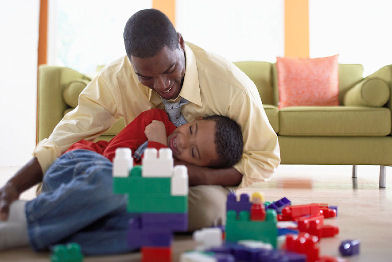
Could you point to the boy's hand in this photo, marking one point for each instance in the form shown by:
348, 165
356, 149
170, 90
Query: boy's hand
156, 132
8, 194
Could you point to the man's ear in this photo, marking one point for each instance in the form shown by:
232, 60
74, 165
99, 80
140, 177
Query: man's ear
181, 41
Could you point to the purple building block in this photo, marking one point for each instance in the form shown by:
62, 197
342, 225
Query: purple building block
168, 221
156, 239
335, 208
134, 233
243, 205
349, 247
279, 204
224, 258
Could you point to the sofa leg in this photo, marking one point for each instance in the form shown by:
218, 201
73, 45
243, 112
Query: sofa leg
354, 171
382, 180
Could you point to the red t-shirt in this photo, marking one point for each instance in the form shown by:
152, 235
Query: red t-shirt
132, 136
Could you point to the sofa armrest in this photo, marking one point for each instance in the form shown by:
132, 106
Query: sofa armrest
370, 91
51, 105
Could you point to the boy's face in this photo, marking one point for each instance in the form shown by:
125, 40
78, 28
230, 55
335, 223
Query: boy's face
194, 143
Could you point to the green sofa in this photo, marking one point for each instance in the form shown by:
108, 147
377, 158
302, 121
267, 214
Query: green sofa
357, 132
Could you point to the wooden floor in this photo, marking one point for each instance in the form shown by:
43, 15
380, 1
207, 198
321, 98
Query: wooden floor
364, 211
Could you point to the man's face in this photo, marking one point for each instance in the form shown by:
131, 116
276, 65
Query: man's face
195, 143
163, 72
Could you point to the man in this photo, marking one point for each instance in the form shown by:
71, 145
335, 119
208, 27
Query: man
161, 70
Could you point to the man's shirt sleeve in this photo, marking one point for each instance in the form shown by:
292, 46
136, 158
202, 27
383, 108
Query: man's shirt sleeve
94, 114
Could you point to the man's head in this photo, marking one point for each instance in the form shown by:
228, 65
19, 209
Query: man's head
215, 141
156, 52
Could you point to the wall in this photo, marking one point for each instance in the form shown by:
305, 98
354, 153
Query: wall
18, 78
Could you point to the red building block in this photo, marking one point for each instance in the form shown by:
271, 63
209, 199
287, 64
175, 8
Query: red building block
328, 212
304, 243
315, 226
297, 211
257, 212
153, 254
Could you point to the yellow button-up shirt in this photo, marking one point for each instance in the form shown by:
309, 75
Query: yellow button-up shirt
212, 85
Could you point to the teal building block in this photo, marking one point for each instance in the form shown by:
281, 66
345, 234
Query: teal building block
67, 253
242, 228
161, 204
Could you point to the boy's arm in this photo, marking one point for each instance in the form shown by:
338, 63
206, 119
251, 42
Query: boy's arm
211, 176
29, 175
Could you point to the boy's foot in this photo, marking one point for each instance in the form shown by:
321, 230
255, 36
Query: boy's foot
13, 232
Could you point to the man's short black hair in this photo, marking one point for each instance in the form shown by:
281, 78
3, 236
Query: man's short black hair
147, 32
228, 141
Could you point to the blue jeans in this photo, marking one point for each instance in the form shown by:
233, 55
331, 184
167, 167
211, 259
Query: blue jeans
77, 204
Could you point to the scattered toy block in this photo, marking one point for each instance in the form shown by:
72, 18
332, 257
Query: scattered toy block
122, 162
257, 212
294, 212
349, 247
304, 243
208, 238
155, 165
153, 254
242, 205
67, 253
315, 226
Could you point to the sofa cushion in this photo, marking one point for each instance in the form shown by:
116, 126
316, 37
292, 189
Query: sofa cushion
334, 121
368, 92
308, 81
273, 116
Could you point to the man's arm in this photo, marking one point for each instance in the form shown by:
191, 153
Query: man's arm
29, 175
211, 176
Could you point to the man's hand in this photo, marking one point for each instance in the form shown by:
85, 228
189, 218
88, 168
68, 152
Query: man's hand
8, 194
156, 132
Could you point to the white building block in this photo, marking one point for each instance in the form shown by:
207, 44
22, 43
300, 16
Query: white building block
154, 166
255, 244
122, 162
207, 238
179, 181
196, 257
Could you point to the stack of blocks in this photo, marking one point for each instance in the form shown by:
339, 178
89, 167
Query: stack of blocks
250, 221
158, 195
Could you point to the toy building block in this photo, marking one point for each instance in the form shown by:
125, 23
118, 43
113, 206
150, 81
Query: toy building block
179, 181
171, 221
67, 253
349, 247
304, 243
157, 166
294, 212
254, 244
257, 212
315, 226
243, 205
328, 212
242, 228
334, 208
160, 204
329, 259
286, 231
153, 238
122, 162
195, 256
207, 238
153, 254
279, 204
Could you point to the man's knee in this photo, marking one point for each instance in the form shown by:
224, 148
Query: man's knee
207, 206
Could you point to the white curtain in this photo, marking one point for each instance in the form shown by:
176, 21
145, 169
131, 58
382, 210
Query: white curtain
358, 30
236, 30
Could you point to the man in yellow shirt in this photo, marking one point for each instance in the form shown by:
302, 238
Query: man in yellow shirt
160, 68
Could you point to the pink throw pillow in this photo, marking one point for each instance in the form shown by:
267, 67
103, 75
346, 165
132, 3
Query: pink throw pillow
308, 82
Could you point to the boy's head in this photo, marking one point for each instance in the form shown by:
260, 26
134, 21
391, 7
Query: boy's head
215, 141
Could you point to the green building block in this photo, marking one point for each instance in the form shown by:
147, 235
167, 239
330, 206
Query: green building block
67, 253
161, 204
242, 228
136, 184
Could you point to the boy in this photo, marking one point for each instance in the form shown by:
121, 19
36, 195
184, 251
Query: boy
77, 203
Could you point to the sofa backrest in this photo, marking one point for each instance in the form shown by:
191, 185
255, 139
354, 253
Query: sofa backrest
265, 77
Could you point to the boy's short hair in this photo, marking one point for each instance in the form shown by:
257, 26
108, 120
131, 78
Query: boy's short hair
228, 141
147, 32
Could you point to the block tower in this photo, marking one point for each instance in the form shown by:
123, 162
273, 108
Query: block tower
158, 195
